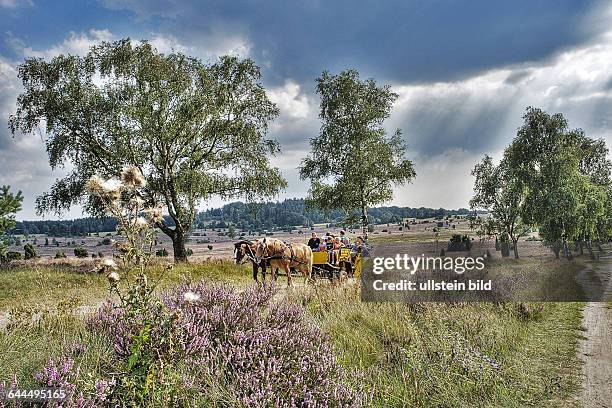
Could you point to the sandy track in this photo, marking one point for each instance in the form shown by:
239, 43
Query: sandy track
596, 353
596, 350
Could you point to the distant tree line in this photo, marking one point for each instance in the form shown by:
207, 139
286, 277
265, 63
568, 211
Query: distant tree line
292, 212
269, 215
65, 228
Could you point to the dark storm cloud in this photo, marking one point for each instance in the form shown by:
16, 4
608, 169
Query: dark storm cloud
400, 41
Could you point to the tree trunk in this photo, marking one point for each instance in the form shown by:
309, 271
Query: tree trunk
515, 246
590, 248
364, 222
505, 249
556, 248
566, 251
178, 244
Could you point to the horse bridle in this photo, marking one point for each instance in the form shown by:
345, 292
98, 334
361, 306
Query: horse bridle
247, 256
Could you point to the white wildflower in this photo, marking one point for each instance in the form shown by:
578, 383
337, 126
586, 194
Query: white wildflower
109, 263
191, 297
113, 277
132, 177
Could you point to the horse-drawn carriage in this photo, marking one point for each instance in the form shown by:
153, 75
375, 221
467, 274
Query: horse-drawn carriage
347, 264
318, 263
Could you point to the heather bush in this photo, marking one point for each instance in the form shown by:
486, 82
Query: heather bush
29, 251
80, 252
259, 352
161, 252
13, 256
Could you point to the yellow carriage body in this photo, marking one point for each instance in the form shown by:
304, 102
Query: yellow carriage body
320, 258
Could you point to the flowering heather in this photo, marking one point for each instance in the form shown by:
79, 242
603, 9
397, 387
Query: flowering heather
262, 352
63, 374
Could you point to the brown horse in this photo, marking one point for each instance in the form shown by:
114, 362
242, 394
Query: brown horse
286, 256
245, 251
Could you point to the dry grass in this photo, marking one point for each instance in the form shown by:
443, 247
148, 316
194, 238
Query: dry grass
423, 355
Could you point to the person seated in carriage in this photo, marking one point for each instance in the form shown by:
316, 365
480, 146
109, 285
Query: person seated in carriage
314, 242
359, 248
344, 238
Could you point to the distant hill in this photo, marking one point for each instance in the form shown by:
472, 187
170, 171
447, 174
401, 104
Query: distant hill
269, 215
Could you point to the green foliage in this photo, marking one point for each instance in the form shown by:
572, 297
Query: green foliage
195, 130
498, 190
13, 256
551, 177
353, 150
29, 251
60, 255
161, 252
9, 205
80, 252
566, 175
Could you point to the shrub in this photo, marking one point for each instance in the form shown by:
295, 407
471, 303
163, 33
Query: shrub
13, 256
60, 254
80, 252
189, 251
210, 247
161, 252
29, 251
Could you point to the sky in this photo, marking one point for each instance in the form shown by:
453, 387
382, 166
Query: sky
464, 71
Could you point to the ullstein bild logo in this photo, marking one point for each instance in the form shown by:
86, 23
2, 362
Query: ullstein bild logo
392, 273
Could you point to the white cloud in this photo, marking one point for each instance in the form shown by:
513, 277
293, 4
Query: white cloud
75, 44
291, 101
443, 180
208, 47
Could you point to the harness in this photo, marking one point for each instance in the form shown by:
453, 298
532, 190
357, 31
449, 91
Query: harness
281, 254
248, 255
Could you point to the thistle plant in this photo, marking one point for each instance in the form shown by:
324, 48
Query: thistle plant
148, 342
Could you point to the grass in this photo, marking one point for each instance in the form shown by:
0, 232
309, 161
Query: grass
445, 355
46, 286
422, 355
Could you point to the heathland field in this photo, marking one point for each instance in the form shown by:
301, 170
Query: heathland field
427, 354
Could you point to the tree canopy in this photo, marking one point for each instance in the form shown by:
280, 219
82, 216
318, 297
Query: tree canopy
558, 180
354, 163
194, 130
10, 204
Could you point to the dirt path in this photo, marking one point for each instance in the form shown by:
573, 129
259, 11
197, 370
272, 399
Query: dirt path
596, 350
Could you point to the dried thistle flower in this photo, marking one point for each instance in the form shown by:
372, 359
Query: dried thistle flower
132, 177
141, 222
113, 278
109, 263
154, 214
94, 184
137, 202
